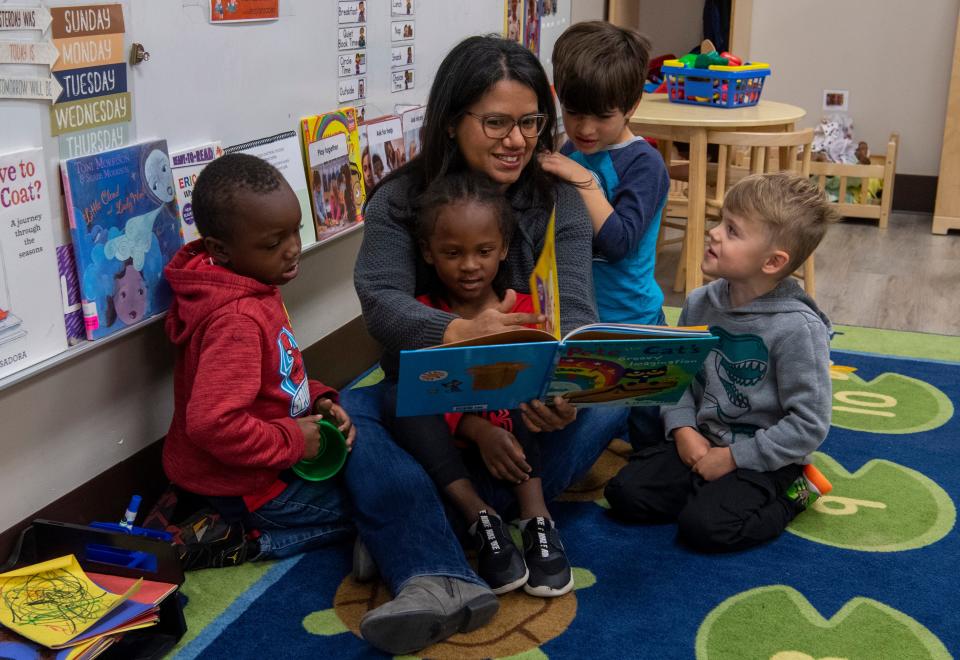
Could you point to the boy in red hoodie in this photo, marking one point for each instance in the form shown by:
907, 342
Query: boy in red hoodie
244, 410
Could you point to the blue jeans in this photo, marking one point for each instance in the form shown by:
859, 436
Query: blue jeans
399, 512
306, 515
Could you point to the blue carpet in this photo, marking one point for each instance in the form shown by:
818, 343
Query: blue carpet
870, 572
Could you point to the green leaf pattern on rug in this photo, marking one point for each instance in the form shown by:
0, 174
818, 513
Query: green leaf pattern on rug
779, 622
882, 507
891, 403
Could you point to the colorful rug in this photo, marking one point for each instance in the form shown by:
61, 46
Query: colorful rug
870, 571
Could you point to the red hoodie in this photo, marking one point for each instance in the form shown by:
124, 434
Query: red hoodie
239, 382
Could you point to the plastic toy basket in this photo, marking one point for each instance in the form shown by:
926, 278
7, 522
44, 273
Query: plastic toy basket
718, 86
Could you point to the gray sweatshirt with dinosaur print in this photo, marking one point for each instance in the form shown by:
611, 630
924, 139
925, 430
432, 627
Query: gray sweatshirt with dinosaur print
764, 390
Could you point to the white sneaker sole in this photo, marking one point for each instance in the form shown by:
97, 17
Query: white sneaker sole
513, 586
549, 592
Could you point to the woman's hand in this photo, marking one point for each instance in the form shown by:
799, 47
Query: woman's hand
538, 417
490, 321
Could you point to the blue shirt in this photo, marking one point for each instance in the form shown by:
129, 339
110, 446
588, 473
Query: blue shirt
635, 181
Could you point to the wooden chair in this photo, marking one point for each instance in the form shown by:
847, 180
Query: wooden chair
768, 152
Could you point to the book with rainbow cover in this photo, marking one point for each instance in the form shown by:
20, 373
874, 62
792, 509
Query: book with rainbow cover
331, 148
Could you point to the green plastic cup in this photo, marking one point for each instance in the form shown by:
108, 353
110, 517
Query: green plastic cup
330, 458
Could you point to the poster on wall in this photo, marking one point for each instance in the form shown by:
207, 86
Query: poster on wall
531, 26
401, 56
352, 37
353, 89
402, 80
94, 109
352, 64
513, 20
241, 11
401, 30
401, 8
351, 11
31, 310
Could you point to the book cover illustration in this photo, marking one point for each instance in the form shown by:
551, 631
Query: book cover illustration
31, 317
544, 281
283, 152
187, 164
125, 226
385, 141
70, 290
600, 364
331, 145
412, 123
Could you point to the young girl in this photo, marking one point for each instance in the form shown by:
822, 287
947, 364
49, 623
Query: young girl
464, 227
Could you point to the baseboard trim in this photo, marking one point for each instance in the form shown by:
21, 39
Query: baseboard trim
914, 193
336, 360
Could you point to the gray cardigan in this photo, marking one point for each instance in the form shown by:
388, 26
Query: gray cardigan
390, 272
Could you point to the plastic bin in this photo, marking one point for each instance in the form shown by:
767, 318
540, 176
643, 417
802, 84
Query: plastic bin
718, 86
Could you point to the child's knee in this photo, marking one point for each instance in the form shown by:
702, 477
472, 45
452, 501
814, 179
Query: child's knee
627, 494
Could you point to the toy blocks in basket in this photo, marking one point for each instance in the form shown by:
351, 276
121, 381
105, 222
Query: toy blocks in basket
719, 80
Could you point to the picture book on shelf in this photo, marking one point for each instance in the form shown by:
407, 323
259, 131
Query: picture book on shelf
331, 147
31, 311
598, 364
412, 121
385, 142
125, 226
187, 164
283, 152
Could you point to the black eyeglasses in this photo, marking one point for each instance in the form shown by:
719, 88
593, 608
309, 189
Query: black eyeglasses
497, 127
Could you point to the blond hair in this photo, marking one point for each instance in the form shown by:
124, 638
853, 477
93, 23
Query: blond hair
794, 211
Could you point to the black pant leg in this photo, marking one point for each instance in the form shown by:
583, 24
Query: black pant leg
738, 511
644, 427
652, 488
427, 439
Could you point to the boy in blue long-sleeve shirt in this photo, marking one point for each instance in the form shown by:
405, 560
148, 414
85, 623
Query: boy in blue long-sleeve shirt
598, 72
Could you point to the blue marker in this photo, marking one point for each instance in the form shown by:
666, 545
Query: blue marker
130, 515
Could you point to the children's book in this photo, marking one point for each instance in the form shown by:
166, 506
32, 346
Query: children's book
544, 281
331, 147
283, 152
70, 291
187, 164
412, 122
598, 364
125, 226
31, 318
385, 142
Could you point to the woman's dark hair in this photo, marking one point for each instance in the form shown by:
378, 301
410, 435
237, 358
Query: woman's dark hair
459, 188
468, 72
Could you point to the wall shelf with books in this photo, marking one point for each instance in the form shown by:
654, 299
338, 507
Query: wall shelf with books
85, 347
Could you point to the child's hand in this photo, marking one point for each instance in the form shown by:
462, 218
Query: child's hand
691, 444
503, 455
717, 462
311, 434
331, 411
566, 168
538, 417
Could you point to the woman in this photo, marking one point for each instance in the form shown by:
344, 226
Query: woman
490, 110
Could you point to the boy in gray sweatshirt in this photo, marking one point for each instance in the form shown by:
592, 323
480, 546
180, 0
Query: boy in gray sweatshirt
740, 435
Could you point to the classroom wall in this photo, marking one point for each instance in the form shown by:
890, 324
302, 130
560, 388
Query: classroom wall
70, 423
893, 57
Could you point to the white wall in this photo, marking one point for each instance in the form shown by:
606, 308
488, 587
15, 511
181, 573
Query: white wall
894, 58
672, 27
587, 10
64, 426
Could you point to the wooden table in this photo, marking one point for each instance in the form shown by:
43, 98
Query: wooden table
667, 122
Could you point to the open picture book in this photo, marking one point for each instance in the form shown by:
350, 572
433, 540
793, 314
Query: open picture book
594, 365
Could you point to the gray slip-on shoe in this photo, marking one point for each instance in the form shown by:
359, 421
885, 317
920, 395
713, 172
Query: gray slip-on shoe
427, 610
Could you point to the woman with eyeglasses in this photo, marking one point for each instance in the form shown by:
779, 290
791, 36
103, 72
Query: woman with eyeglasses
490, 111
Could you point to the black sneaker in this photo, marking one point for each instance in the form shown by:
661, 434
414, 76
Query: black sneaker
499, 561
550, 573
231, 549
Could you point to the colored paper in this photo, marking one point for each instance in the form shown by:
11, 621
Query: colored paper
53, 602
89, 82
90, 113
87, 20
24, 18
28, 52
86, 51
